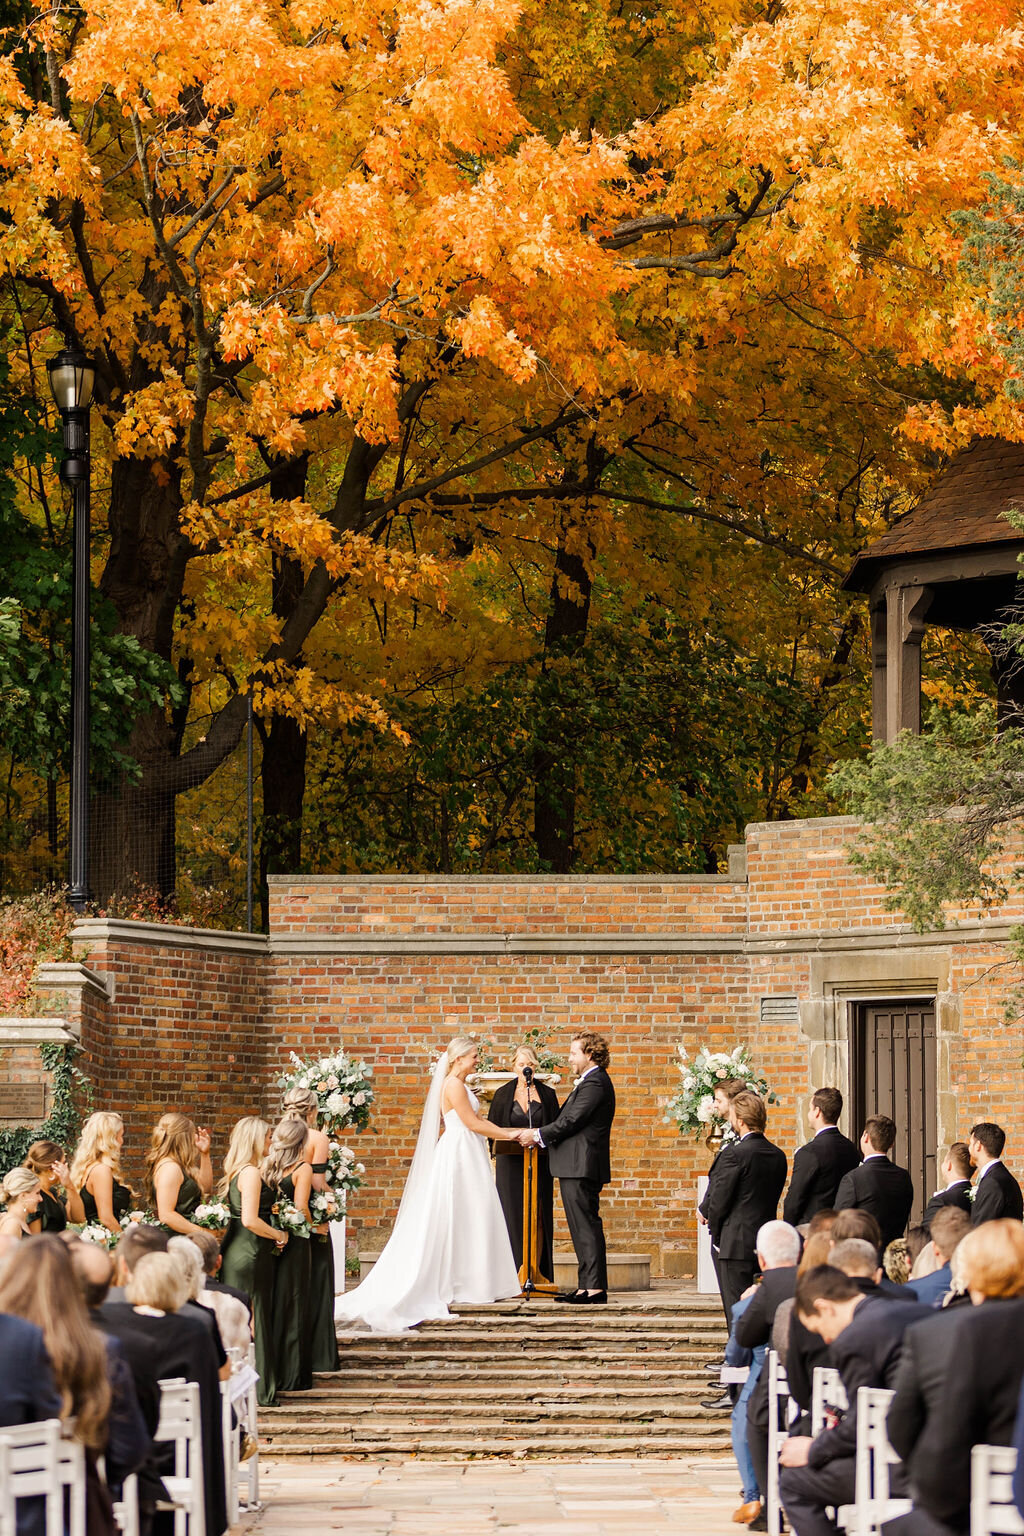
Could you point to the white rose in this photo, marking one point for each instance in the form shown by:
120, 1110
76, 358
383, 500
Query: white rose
706, 1109
347, 1154
332, 1081
335, 1104
360, 1168
360, 1098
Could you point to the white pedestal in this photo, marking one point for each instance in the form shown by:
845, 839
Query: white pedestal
337, 1230
706, 1281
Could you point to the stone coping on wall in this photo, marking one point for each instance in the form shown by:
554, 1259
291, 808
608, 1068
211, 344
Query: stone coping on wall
14, 1031
124, 930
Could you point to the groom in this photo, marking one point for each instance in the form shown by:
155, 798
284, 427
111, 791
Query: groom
578, 1156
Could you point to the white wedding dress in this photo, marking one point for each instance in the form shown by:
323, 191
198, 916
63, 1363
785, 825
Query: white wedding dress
449, 1242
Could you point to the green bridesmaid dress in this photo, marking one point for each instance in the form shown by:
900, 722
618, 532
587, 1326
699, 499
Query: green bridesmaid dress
322, 1334
189, 1196
249, 1264
292, 1352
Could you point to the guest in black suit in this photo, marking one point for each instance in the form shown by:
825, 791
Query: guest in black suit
517, 1104
865, 1334
859, 1260
996, 1191
878, 1185
723, 1097
579, 1154
28, 1394
744, 1196
958, 1383
818, 1167
778, 1249
956, 1170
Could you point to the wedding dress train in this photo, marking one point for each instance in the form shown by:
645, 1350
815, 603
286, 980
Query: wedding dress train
449, 1243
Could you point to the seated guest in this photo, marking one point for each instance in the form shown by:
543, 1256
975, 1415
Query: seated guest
185, 1253
778, 1248
864, 1334
232, 1315
802, 1350
139, 1238
917, 1242
879, 1186
950, 1225
28, 1393
861, 1226
958, 1382
956, 1170
996, 1192
819, 1166
896, 1261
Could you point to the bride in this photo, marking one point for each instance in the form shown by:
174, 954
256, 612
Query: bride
450, 1242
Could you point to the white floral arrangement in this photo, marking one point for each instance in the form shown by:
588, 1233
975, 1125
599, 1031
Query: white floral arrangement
344, 1093
95, 1232
213, 1216
138, 1219
692, 1109
485, 1054
288, 1218
343, 1172
324, 1206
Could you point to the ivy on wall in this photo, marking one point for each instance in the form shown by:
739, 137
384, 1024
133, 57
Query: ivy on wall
70, 1095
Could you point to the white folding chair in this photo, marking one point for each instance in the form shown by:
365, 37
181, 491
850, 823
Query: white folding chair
71, 1471
126, 1509
827, 1392
229, 1437
33, 1455
6, 1496
782, 1410
872, 1503
252, 1466
993, 1511
181, 1424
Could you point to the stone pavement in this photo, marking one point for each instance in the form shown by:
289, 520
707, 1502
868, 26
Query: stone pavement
694, 1495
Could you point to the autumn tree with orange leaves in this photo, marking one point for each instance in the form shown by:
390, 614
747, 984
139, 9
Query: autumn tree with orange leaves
371, 287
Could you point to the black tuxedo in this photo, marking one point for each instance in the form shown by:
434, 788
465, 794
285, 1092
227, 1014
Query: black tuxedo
744, 1194
579, 1156
884, 1190
996, 1194
957, 1386
818, 1168
958, 1195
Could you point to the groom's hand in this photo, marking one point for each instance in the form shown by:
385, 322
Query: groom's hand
527, 1138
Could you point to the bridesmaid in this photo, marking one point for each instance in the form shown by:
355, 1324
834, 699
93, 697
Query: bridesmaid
46, 1160
290, 1177
96, 1171
251, 1243
20, 1190
180, 1173
516, 1105
301, 1104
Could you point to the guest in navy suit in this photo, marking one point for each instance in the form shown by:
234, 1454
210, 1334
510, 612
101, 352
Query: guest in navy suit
27, 1394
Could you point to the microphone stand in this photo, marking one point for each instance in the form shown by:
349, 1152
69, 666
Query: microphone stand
529, 1164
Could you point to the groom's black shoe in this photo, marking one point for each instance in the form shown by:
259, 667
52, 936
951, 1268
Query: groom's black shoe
585, 1299
570, 1296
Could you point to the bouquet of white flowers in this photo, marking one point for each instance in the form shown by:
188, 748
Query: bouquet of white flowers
692, 1109
288, 1218
138, 1219
214, 1215
343, 1172
342, 1086
95, 1232
325, 1206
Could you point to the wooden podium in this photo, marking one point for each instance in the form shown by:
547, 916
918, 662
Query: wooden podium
530, 1277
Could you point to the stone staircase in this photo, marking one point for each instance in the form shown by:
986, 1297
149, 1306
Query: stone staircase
518, 1380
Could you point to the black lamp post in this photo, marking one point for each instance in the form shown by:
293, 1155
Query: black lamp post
72, 376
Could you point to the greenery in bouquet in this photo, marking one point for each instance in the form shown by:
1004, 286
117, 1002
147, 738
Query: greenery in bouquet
692, 1109
324, 1206
343, 1172
288, 1218
213, 1215
138, 1219
95, 1232
342, 1086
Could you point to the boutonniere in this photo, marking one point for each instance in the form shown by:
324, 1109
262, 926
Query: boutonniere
971, 1192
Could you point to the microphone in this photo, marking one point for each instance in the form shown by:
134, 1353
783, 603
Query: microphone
527, 1076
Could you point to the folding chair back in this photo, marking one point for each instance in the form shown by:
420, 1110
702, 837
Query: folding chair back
993, 1511
827, 1392
181, 1423
34, 1469
781, 1412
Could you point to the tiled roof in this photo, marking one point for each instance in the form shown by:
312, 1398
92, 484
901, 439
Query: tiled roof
963, 509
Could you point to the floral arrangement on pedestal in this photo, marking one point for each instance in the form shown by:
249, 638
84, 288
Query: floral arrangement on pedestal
692, 1109
344, 1093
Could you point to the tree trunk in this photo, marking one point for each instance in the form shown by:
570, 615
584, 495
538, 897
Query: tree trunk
554, 798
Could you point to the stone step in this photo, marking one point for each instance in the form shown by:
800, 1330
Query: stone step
363, 1383
358, 1414
500, 1361
581, 1447
503, 1339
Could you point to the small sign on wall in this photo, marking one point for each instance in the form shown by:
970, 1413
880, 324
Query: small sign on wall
22, 1102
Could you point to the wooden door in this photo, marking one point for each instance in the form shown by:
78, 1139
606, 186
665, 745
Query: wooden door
892, 1071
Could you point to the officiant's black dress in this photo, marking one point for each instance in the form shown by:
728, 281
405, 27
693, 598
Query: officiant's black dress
509, 1171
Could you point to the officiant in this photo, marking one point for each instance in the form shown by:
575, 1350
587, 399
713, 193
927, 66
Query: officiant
520, 1103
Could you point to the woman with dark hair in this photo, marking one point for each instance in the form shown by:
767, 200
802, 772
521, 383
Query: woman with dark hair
180, 1174
519, 1104
46, 1160
289, 1176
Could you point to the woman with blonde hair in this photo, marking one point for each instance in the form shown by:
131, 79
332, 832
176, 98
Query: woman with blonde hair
21, 1191
287, 1172
302, 1104
523, 1102
46, 1160
96, 1171
449, 1241
251, 1243
180, 1173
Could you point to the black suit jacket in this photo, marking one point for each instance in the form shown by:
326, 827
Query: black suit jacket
818, 1169
866, 1354
957, 1195
744, 1194
957, 1386
579, 1140
27, 1389
712, 1175
884, 1190
754, 1327
997, 1194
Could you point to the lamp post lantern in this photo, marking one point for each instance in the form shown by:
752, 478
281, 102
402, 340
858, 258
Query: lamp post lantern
72, 376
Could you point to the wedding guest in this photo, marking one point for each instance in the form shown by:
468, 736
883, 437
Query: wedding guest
231, 1314
802, 1350
186, 1254
287, 1172
958, 1382
950, 1225
252, 1244
744, 1196
778, 1250
879, 1186
46, 1160
723, 1097
21, 1192
28, 1394
896, 1261
96, 1171
996, 1191
138, 1239
819, 1166
956, 1170
180, 1174
301, 1104
859, 1258
518, 1104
